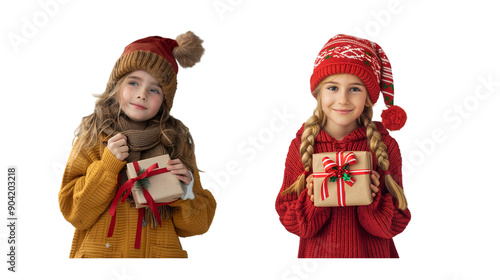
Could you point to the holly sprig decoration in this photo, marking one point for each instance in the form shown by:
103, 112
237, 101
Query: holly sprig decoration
343, 173
142, 183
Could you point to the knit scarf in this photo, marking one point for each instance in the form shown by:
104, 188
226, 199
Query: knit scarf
142, 144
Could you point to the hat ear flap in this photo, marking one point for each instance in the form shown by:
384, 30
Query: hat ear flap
189, 49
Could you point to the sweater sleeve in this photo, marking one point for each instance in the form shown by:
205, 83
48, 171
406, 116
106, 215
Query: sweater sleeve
88, 186
383, 218
298, 213
194, 216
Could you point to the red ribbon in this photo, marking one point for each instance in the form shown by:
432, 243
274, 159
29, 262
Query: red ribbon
338, 169
126, 188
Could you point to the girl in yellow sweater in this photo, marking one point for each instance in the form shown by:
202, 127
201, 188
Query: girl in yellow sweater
131, 122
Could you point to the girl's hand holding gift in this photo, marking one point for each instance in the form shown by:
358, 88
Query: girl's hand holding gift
180, 170
117, 145
310, 187
375, 183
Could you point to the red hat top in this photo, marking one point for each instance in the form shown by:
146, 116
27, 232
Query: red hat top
155, 44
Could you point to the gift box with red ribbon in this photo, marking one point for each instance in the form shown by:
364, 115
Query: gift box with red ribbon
157, 182
152, 185
342, 178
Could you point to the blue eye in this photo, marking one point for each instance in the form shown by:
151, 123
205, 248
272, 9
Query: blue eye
355, 89
333, 88
133, 84
155, 91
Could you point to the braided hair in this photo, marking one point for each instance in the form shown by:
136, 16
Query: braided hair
313, 126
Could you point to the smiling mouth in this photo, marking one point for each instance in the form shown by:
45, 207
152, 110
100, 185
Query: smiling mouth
342, 111
138, 106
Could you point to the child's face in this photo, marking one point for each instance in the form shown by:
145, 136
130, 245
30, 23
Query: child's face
343, 100
141, 96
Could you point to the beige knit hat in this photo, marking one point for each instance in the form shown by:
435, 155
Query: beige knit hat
159, 57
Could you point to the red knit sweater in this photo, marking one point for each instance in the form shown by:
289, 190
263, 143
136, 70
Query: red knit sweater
343, 232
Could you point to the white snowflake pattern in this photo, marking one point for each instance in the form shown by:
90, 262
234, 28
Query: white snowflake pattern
342, 52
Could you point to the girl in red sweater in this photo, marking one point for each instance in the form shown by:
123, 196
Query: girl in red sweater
349, 74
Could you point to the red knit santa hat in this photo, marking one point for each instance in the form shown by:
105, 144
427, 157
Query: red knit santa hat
365, 59
159, 57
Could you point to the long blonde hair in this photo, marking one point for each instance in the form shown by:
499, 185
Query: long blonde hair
179, 141
313, 126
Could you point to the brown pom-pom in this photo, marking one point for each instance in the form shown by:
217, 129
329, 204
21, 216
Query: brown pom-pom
190, 50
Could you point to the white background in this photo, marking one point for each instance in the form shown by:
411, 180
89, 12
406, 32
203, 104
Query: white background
243, 103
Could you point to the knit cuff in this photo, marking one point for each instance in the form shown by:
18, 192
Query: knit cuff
311, 218
111, 163
382, 218
307, 206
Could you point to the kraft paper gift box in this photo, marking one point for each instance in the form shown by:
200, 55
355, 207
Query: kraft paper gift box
164, 187
348, 187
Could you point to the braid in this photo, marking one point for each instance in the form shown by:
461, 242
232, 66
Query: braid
375, 139
380, 149
312, 127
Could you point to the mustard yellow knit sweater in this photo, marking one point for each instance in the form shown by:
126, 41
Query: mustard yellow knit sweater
89, 186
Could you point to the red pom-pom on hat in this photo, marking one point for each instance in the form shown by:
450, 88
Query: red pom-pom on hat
394, 118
